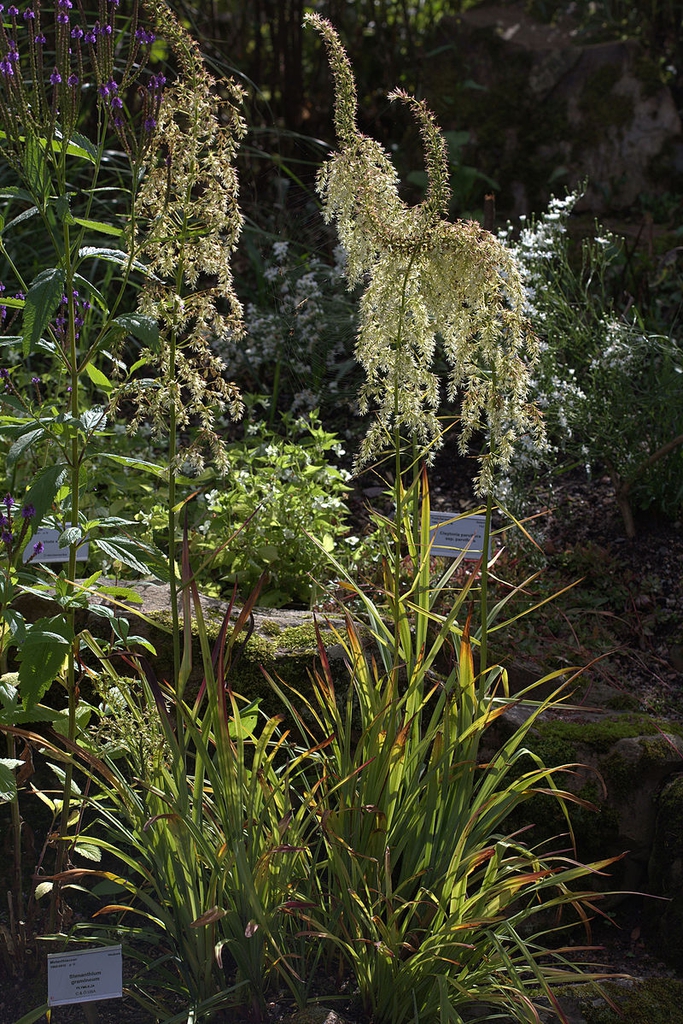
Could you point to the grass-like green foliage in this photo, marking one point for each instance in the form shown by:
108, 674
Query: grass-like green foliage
431, 903
201, 809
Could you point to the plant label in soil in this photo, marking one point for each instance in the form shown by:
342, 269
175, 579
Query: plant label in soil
84, 976
51, 550
454, 534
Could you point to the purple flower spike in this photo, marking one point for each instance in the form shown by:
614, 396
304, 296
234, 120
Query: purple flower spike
7, 537
38, 548
72, 80
103, 91
55, 77
8, 501
13, 11
62, 18
28, 512
6, 68
41, 39
149, 124
29, 14
77, 32
90, 36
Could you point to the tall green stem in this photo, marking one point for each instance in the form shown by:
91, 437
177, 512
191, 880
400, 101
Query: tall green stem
74, 465
172, 454
483, 599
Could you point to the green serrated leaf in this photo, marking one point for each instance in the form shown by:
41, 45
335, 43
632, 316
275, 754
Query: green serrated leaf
93, 419
144, 328
25, 215
16, 623
23, 442
72, 535
89, 852
12, 192
8, 781
42, 655
79, 145
40, 305
62, 205
118, 256
123, 550
42, 494
36, 168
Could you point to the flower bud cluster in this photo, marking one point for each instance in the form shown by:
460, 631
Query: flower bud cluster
187, 224
45, 71
65, 315
428, 283
14, 525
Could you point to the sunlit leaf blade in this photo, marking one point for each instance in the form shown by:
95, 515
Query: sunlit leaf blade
118, 256
8, 781
98, 225
42, 655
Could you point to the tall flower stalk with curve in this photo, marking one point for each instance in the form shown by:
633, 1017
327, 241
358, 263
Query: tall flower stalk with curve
429, 283
187, 223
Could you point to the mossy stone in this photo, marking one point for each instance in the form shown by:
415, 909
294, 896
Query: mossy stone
665, 869
654, 1001
285, 654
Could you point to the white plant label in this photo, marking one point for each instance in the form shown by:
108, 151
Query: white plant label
51, 550
85, 976
454, 534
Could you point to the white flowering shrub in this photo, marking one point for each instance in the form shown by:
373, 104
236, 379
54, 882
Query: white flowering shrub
299, 333
611, 393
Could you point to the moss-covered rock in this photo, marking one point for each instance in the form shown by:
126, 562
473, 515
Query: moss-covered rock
654, 1001
284, 650
665, 871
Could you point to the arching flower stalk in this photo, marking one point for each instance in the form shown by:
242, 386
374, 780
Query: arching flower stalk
187, 225
428, 282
